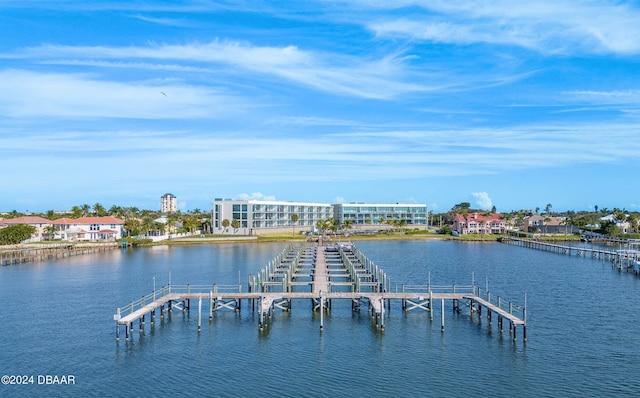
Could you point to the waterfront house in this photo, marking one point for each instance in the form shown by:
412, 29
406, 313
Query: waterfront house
479, 223
548, 225
89, 228
623, 225
39, 223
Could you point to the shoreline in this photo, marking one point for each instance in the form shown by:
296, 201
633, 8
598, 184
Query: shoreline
280, 238
267, 239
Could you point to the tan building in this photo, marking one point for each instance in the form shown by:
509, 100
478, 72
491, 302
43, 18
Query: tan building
168, 203
39, 223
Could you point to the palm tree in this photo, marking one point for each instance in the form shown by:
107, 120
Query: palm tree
117, 211
99, 210
190, 223
402, 224
235, 224
132, 226
294, 220
76, 212
205, 224
332, 225
85, 209
50, 230
507, 220
172, 221
147, 224
546, 221
320, 225
225, 224
633, 221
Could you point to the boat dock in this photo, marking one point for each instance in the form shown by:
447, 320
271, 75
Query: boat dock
627, 259
318, 273
19, 254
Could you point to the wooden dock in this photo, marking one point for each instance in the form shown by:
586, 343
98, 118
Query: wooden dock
320, 274
623, 259
26, 253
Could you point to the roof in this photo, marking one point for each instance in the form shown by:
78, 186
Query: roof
547, 220
26, 220
475, 216
88, 221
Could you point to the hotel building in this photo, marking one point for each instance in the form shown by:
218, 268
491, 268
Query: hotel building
264, 214
376, 214
256, 216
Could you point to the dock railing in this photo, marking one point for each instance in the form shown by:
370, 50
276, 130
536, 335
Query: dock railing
175, 289
469, 290
426, 289
506, 305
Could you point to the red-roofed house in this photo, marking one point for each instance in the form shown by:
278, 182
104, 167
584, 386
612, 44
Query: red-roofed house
478, 223
35, 221
89, 228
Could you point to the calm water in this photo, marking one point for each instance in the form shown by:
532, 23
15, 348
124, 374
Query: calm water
582, 329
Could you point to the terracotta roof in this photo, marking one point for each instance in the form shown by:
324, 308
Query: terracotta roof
479, 217
88, 220
26, 220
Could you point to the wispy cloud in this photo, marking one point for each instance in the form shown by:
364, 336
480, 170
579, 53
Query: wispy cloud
183, 6
176, 22
377, 78
629, 96
543, 25
366, 156
34, 94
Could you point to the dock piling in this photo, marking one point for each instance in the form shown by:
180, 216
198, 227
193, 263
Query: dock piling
442, 311
358, 274
199, 315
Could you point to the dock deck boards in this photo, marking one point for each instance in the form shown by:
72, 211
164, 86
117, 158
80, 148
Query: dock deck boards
365, 279
320, 274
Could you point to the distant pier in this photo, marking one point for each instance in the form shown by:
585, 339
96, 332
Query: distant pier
319, 274
623, 259
19, 254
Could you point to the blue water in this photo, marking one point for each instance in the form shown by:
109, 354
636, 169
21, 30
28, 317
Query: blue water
583, 340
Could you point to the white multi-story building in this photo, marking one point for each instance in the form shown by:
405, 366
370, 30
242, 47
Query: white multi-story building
255, 215
376, 214
168, 203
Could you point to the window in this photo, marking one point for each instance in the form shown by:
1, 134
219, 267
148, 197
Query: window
94, 227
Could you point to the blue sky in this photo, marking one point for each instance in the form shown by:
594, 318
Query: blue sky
512, 104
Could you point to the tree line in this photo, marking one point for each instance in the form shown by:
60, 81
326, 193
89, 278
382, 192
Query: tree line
585, 220
136, 221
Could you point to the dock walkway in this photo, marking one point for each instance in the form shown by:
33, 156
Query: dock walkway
623, 259
320, 274
26, 253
